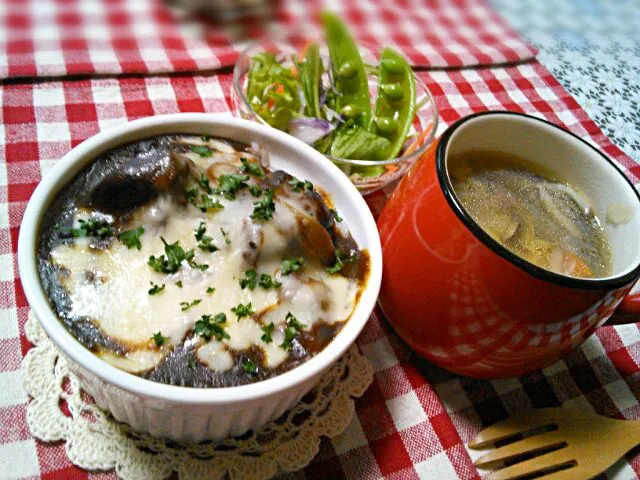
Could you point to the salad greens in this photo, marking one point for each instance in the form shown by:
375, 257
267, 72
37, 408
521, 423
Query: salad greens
326, 102
273, 90
310, 72
353, 141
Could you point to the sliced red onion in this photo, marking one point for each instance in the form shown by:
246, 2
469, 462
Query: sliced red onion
329, 71
323, 96
303, 101
267, 89
332, 114
310, 130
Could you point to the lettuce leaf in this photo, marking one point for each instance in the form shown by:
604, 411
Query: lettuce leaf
354, 142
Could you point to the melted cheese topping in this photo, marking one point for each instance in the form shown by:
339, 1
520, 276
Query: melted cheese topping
110, 286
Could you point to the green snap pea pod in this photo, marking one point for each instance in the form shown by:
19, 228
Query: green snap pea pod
395, 101
347, 69
310, 71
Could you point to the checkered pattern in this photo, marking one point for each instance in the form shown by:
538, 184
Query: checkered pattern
476, 338
69, 37
415, 419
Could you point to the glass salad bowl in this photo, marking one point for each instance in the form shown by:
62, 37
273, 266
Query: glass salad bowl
366, 174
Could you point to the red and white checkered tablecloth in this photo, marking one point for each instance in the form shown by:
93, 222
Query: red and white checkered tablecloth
72, 37
415, 419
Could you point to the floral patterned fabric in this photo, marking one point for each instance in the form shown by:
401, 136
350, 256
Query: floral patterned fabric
593, 48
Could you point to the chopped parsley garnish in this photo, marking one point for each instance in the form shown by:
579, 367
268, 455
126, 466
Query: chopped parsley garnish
291, 331
337, 217
187, 305
92, 228
204, 183
179, 284
300, 185
207, 244
255, 190
155, 288
243, 310
209, 327
205, 138
249, 279
264, 208
158, 339
289, 335
231, 183
227, 239
206, 203
175, 254
341, 260
292, 321
192, 363
249, 367
210, 290
200, 231
267, 282
192, 194
201, 150
131, 238
199, 266
267, 330
252, 168
289, 266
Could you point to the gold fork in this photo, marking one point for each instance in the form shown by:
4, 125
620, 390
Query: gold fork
582, 443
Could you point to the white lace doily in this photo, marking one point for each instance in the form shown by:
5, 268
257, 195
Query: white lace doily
593, 48
96, 441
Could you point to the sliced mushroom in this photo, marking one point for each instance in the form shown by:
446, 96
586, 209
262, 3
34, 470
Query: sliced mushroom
503, 227
559, 213
122, 186
314, 239
310, 199
221, 161
221, 168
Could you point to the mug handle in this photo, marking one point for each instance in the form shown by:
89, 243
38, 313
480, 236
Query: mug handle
629, 309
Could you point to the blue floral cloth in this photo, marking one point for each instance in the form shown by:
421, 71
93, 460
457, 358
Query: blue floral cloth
593, 48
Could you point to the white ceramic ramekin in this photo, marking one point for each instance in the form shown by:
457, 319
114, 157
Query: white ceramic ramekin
191, 414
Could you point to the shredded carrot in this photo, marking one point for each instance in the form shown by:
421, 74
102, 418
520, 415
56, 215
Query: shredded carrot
303, 50
575, 266
294, 71
280, 88
391, 168
271, 103
418, 141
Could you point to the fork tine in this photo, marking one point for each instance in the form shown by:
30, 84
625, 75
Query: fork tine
513, 426
568, 474
528, 445
533, 465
